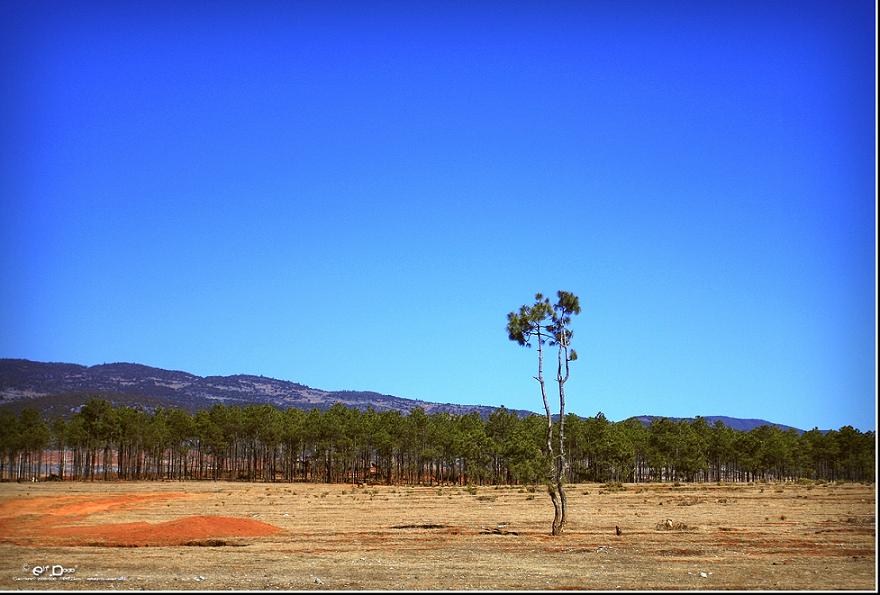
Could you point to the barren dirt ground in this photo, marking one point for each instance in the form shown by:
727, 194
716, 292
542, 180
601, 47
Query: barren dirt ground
188, 535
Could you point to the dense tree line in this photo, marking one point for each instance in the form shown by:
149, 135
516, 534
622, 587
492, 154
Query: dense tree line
262, 443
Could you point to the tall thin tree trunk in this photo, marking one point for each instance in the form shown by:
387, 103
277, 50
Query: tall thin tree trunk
561, 465
553, 481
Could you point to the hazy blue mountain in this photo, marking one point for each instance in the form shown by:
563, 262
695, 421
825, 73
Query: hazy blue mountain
61, 388
731, 422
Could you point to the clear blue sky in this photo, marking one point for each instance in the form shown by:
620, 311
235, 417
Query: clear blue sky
353, 196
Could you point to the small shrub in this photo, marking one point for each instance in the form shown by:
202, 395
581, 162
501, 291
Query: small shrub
865, 520
472, 490
530, 497
670, 525
487, 498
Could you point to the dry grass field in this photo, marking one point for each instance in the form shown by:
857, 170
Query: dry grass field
187, 535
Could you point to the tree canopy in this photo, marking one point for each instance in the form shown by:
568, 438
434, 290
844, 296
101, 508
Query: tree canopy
263, 443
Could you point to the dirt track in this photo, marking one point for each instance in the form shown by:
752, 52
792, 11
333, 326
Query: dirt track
297, 536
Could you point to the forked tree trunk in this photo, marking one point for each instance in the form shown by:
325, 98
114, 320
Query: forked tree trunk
552, 471
562, 464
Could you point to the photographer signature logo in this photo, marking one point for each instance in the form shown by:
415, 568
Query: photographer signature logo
56, 572
53, 571
47, 572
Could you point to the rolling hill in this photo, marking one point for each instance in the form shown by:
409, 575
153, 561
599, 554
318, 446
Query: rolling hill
59, 389
735, 423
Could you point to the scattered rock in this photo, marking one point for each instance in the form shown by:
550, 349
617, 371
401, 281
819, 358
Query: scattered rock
318, 581
200, 578
704, 575
496, 531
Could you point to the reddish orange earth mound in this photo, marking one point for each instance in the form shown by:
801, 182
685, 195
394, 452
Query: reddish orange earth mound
47, 521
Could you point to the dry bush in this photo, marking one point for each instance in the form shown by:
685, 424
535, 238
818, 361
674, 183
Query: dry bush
670, 525
864, 520
688, 501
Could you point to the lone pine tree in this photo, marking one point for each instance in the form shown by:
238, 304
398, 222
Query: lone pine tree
542, 323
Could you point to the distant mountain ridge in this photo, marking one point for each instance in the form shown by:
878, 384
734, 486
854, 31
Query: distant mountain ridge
57, 388
61, 388
734, 423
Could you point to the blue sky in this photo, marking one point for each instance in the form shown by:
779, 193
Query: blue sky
353, 196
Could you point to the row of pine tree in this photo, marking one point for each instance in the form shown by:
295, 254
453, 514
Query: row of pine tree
263, 443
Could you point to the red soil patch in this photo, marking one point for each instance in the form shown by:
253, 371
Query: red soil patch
76, 507
48, 521
177, 532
